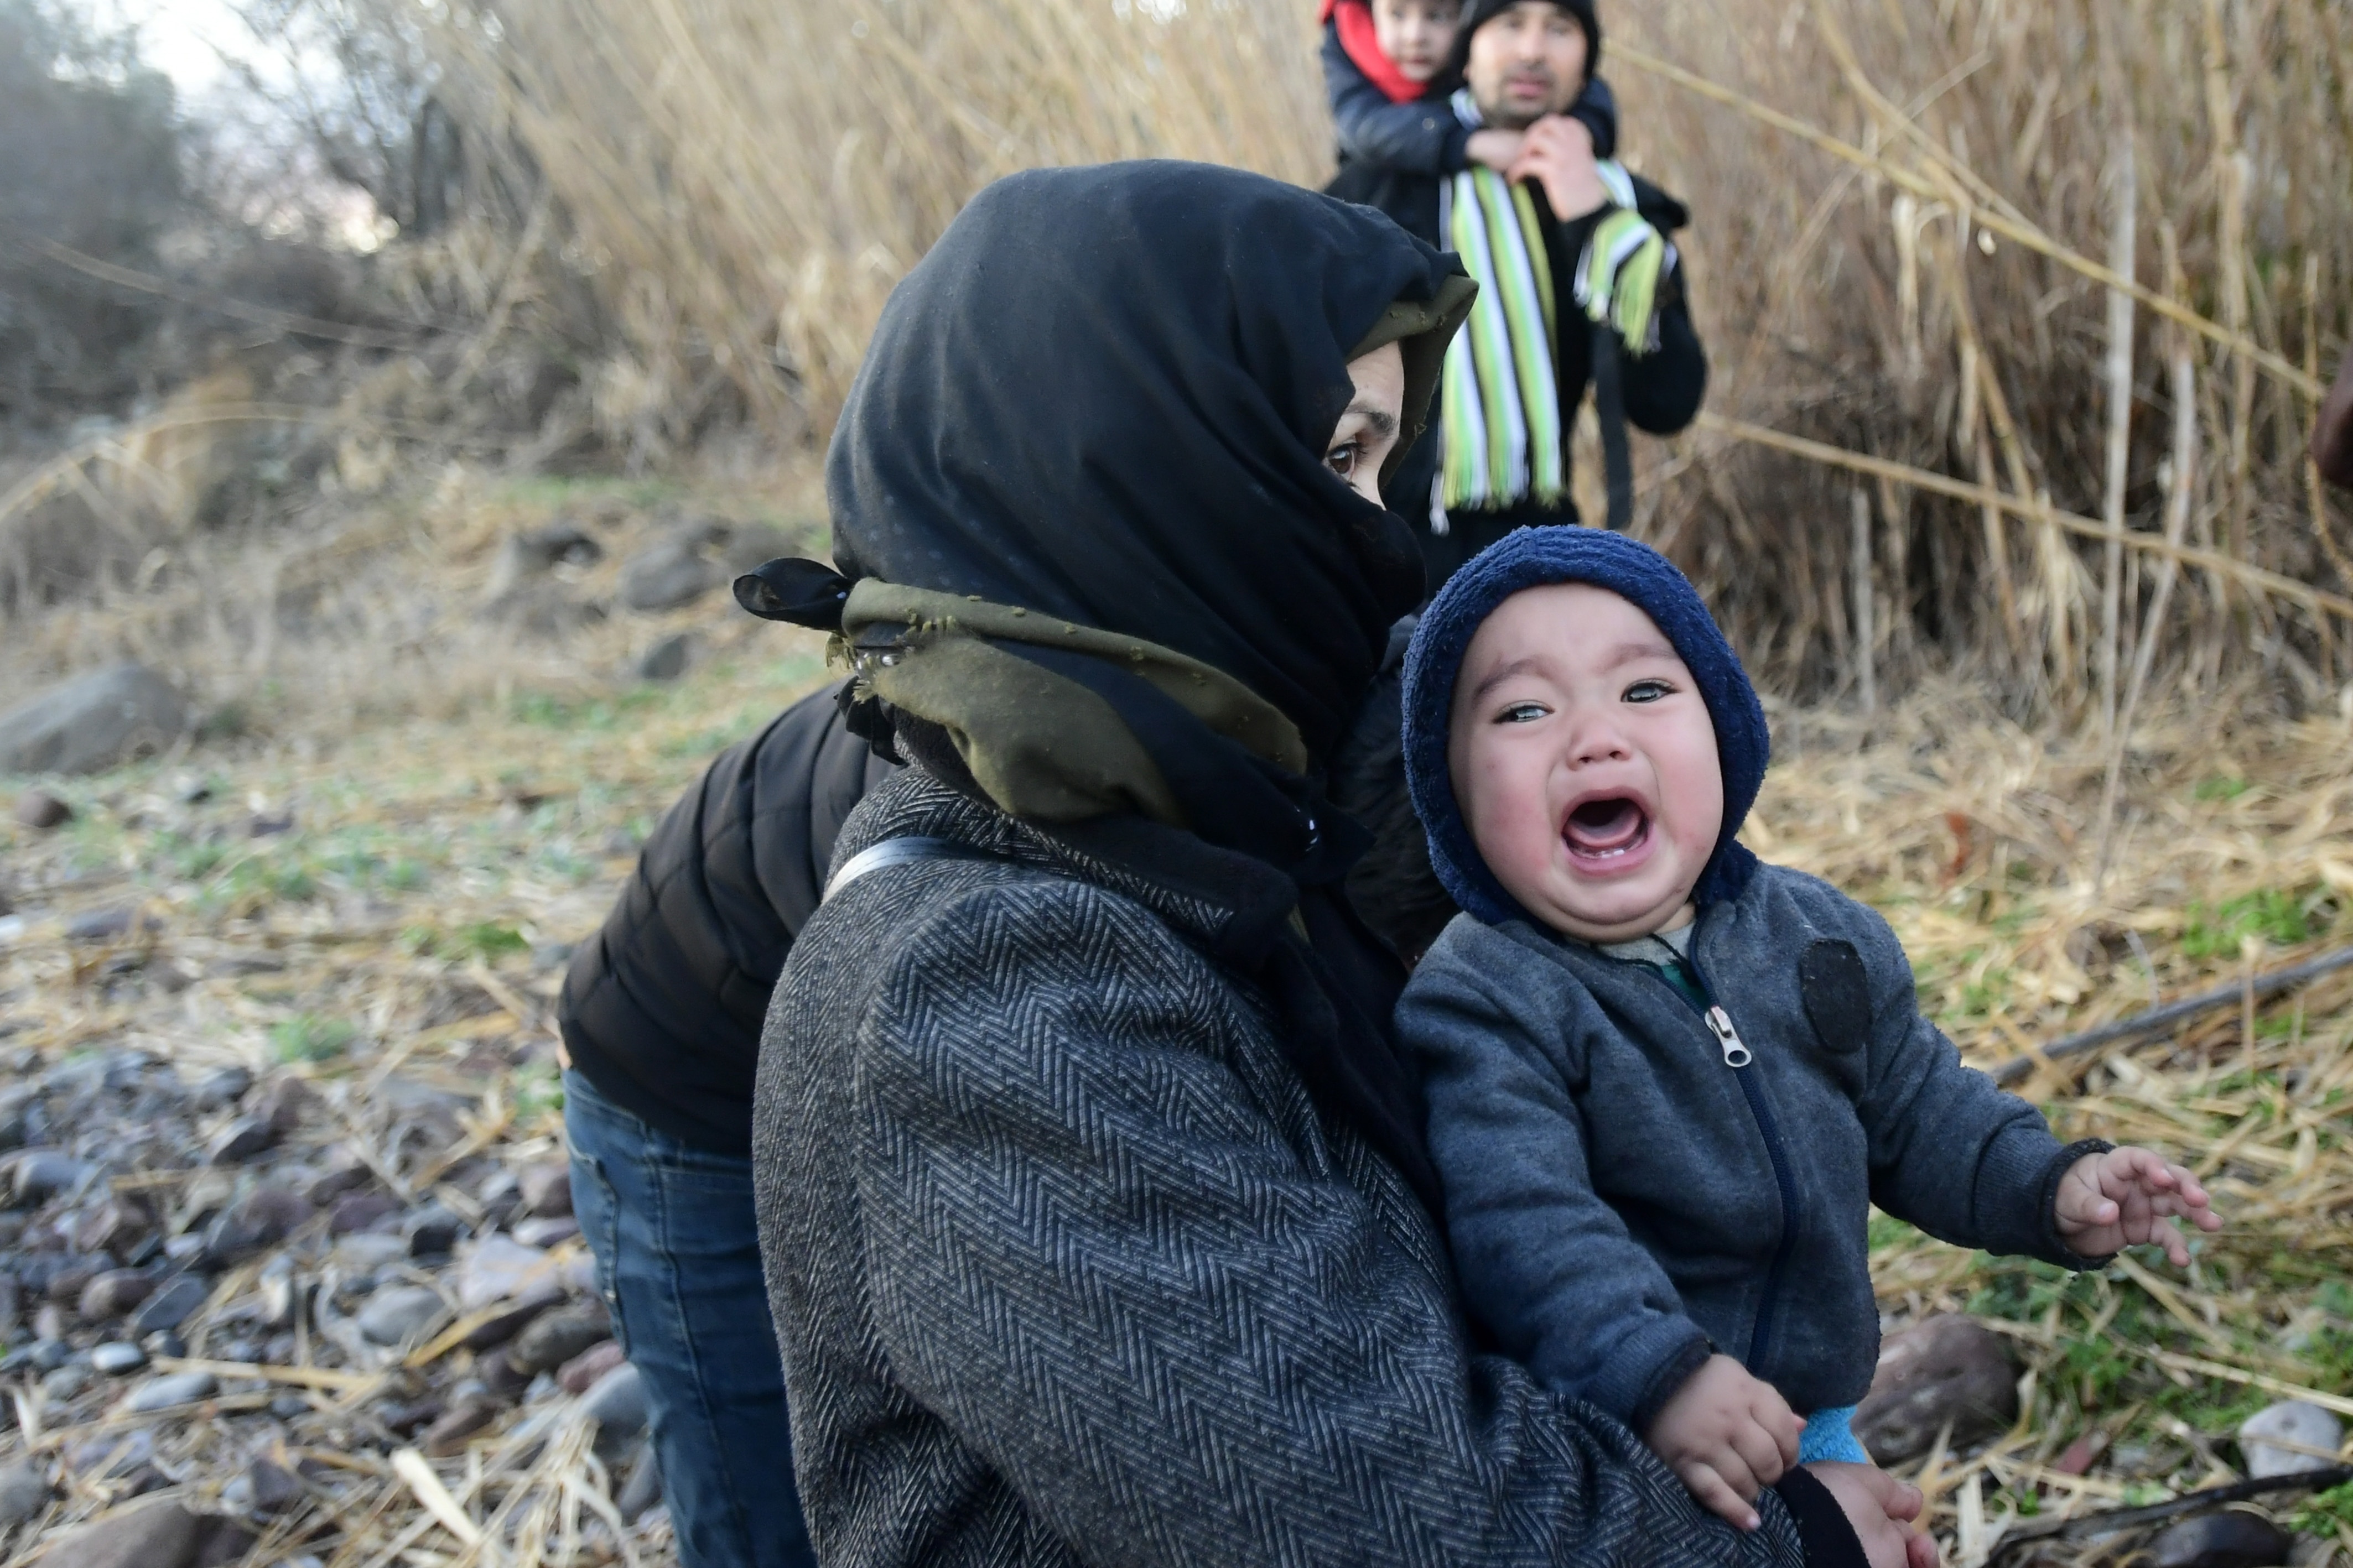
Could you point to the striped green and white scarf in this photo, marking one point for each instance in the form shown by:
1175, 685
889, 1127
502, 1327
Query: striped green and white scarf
1503, 425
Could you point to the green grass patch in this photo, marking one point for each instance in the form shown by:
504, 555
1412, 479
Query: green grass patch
2220, 787
2278, 916
2325, 1513
309, 1037
594, 714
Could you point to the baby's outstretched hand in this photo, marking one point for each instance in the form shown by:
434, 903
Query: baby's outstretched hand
1726, 1434
2126, 1196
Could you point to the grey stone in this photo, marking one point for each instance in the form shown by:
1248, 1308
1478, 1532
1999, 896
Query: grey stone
667, 659
24, 1492
223, 1088
531, 555
546, 1188
546, 1232
2274, 1440
115, 1292
643, 1489
432, 1231
272, 1488
67, 1384
369, 1250
1947, 1368
255, 1223
161, 1534
2227, 1540
454, 1427
42, 1173
585, 1371
356, 1212
39, 810
240, 1140
99, 925
395, 1314
557, 1337
112, 1223
89, 724
497, 1268
170, 1305
665, 575
617, 1402
118, 1358
170, 1389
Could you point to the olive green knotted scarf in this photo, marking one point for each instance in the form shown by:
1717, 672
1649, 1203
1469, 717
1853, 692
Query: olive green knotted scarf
1040, 746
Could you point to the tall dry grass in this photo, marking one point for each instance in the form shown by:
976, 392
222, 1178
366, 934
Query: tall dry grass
1902, 212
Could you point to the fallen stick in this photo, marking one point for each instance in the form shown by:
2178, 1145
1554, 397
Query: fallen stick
2108, 1521
2261, 987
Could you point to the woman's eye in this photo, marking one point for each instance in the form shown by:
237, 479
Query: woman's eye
1521, 714
1648, 691
1341, 459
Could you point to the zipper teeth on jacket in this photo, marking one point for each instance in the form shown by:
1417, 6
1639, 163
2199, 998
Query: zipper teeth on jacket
1762, 1340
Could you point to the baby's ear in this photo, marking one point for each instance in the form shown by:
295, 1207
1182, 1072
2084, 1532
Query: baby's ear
1837, 993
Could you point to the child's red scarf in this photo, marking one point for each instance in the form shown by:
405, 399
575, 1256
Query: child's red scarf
1355, 18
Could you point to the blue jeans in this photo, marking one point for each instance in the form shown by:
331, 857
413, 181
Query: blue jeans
678, 1261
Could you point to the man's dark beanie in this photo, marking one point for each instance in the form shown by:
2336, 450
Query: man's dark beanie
1477, 14
1531, 558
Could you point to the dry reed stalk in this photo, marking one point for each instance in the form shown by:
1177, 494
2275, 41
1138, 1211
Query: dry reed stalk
1866, 641
2037, 510
2121, 254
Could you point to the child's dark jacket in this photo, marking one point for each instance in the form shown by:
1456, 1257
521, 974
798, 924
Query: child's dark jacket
1621, 1201
1423, 136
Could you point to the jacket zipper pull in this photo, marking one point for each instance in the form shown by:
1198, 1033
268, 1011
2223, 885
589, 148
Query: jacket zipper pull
1719, 1024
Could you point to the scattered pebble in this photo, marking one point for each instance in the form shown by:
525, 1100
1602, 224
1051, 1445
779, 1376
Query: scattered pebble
582, 1372
2226, 1540
170, 1389
114, 1293
557, 1337
546, 1189
240, 1140
617, 1402
391, 1316
2290, 1436
24, 1492
40, 811
169, 1306
117, 1358
1947, 1369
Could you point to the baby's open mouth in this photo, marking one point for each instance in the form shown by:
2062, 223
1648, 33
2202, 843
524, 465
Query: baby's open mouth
1608, 829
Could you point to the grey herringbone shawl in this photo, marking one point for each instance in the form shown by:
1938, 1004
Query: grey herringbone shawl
1066, 1269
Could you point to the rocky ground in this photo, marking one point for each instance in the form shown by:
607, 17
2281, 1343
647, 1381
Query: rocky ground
287, 1273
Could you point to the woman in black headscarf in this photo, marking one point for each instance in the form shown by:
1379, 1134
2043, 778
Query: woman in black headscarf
1092, 1192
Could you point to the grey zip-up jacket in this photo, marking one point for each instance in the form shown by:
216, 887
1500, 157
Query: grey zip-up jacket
1067, 1268
1621, 1200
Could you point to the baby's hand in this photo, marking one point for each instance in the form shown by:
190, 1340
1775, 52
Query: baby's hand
2121, 1198
1725, 1435
1496, 150
1881, 1509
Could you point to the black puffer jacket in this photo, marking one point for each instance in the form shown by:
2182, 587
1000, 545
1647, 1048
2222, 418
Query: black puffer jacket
662, 1007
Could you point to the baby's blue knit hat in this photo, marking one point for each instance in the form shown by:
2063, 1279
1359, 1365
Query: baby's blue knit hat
1531, 558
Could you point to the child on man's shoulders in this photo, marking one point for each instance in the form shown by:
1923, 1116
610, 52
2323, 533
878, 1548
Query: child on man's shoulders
1387, 69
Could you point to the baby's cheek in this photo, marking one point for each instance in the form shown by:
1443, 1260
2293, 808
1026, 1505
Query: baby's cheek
1511, 821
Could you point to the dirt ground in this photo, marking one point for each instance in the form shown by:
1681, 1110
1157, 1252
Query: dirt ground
372, 890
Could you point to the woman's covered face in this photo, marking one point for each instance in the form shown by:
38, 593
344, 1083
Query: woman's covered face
1368, 427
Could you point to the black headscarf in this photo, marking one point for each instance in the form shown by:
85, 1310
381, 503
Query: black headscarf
1104, 394
1105, 397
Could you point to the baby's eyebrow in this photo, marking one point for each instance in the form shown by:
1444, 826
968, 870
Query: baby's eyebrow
1630, 652
1500, 674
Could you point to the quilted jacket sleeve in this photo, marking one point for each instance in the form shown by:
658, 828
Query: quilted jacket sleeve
1098, 1252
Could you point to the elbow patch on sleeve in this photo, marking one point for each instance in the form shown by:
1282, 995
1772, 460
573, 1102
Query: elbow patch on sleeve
1837, 993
